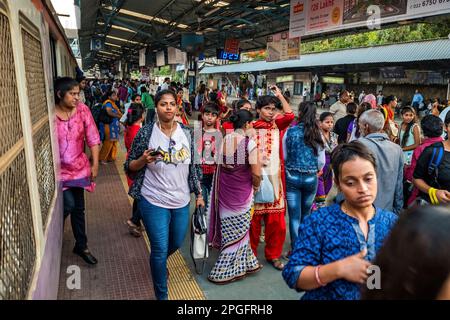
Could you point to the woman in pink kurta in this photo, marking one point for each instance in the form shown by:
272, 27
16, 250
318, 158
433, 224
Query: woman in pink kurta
75, 125
72, 133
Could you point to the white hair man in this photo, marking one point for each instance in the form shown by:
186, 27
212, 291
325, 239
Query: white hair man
389, 158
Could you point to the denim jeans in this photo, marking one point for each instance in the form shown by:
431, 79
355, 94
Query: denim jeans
301, 190
74, 205
166, 230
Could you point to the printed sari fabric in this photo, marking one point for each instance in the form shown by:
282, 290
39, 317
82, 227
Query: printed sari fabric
230, 213
325, 181
110, 132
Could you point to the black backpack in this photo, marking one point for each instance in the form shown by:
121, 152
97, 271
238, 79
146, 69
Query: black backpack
104, 116
96, 110
436, 159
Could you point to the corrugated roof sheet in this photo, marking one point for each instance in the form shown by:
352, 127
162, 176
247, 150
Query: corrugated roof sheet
394, 53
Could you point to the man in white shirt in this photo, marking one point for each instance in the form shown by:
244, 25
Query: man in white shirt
361, 96
153, 88
339, 109
166, 84
380, 98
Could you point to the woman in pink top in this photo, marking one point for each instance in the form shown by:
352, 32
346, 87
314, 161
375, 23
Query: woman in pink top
75, 124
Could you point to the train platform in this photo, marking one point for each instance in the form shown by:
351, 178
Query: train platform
123, 271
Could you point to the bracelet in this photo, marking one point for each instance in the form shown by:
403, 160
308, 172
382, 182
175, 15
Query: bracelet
316, 271
433, 197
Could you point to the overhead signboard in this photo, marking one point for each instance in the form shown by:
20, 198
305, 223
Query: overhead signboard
232, 46
285, 79
392, 72
297, 21
97, 44
333, 80
280, 47
142, 57
192, 43
176, 56
310, 17
160, 59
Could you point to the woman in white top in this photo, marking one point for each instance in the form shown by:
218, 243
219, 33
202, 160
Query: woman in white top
162, 164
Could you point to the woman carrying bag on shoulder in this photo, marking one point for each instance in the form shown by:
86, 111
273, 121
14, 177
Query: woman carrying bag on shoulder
236, 179
109, 128
162, 162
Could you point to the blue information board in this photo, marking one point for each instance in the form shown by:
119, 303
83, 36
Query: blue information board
221, 54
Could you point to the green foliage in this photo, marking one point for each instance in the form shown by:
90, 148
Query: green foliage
407, 33
163, 71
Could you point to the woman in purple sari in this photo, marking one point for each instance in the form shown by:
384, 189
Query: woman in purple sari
231, 203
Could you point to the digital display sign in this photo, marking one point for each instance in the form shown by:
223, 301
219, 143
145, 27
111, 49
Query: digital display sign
222, 54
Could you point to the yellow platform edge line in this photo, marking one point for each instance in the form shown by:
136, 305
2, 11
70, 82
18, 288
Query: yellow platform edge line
179, 288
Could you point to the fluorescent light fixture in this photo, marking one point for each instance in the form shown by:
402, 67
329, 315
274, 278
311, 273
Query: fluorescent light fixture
113, 45
108, 53
221, 4
218, 4
122, 28
147, 17
125, 40
264, 8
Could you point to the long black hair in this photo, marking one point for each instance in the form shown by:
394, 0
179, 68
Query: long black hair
307, 114
135, 113
62, 86
408, 126
241, 118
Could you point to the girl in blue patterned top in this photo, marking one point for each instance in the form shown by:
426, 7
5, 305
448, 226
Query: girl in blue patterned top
336, 244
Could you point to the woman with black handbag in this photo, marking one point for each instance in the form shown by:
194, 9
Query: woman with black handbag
162, 163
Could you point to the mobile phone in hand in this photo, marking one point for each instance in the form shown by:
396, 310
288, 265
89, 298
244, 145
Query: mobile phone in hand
155, 153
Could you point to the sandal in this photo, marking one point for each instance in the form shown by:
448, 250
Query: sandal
133, 229
277, 264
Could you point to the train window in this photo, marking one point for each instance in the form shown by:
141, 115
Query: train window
38, 105
53, 57
17, 243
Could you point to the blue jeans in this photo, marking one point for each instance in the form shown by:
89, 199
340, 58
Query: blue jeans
166, 229
301, 190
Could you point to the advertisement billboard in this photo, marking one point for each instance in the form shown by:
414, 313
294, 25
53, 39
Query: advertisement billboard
280, 47
310, 17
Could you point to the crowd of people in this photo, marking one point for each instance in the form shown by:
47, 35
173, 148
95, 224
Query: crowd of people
343, 177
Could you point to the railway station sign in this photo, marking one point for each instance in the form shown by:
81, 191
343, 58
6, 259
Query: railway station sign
333, 80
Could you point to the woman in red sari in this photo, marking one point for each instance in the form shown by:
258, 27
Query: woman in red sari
181, 116
269, 128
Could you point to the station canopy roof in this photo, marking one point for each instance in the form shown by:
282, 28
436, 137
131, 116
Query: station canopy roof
129, 25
